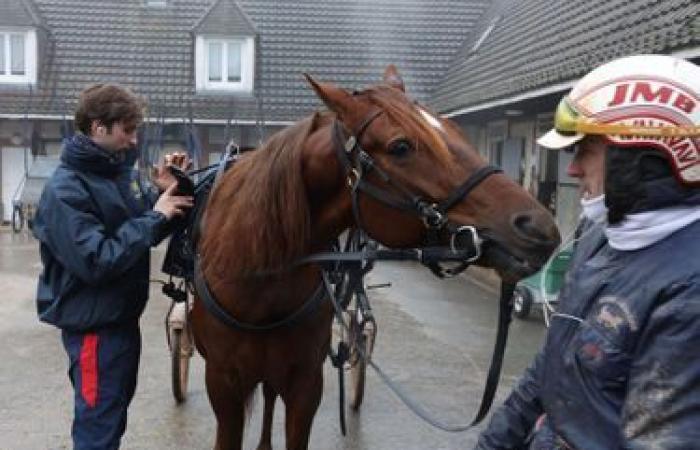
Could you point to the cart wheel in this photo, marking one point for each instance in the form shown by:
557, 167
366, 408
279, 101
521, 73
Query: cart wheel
17, 219
522, 302
359, 369
180, 359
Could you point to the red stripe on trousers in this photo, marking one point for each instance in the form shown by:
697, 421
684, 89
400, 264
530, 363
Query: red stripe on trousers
88, 369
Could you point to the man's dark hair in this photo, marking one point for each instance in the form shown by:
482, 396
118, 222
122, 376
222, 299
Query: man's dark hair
108, 103
639, 179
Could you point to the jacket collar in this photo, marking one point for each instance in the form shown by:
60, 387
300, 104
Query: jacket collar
82, 153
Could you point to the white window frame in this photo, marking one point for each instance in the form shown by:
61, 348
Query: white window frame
30, 57
203, 84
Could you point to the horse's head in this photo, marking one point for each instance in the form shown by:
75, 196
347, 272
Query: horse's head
419, 173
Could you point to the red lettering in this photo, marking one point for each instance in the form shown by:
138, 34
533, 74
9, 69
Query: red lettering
673, 141
643, 92
684, 103
685, 153
662, 95
620, 94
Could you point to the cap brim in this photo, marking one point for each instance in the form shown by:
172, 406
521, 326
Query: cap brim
555, 140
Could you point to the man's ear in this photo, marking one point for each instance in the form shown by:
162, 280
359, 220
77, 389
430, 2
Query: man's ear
97, 129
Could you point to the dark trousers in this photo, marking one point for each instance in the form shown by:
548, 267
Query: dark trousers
103, 370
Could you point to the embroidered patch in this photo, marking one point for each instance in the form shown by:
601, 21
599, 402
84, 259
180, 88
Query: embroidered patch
614, 314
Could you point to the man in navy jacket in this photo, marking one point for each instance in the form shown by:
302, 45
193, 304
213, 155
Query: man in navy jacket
96, 224
620, 367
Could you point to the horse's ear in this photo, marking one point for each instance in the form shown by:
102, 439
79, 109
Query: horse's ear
393, 78
336, 99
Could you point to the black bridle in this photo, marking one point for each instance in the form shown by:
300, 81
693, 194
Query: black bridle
357, 163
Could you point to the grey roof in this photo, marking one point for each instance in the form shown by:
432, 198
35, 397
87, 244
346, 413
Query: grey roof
18, 13
542, 43
225, 17
151, 50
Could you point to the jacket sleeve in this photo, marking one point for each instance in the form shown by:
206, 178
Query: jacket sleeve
662, 406
68, 225
512, 422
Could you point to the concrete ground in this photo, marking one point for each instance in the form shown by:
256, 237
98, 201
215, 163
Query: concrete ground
435, 338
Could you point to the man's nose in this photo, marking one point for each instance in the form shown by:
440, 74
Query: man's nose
133, 140
574, 170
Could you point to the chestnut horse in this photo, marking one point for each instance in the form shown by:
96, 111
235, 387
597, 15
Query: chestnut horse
291, 198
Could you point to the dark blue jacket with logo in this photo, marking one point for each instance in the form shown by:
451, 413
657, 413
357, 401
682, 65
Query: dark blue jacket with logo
621, 367
95, 226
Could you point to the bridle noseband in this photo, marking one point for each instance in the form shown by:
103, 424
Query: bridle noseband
356, 163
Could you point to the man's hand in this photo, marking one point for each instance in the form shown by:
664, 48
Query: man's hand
162, 177
171, 205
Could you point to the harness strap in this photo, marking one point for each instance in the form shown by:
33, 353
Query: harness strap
214, 308
365, 123
423, 255
384, 196
466, 187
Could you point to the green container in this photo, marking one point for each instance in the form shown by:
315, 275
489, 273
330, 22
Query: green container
554, 276
542, 287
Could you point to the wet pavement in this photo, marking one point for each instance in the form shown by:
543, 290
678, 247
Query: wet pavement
435, 338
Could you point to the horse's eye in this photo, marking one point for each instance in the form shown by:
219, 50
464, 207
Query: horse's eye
400, 148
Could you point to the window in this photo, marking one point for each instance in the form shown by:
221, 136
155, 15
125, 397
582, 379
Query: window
225, 64
17, 57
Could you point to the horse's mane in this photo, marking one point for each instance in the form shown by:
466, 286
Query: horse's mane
258, 216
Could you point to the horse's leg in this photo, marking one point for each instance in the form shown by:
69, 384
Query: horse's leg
266, 437
228, 402
301, 403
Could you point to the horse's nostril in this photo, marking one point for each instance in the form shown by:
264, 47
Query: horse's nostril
525, 224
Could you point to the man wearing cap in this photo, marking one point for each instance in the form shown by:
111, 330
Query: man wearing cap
619, 367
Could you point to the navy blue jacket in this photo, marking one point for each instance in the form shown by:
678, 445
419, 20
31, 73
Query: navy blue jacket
95, 226
622, 370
